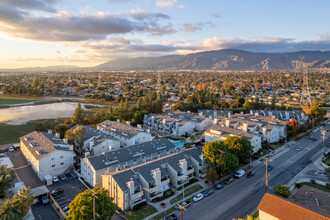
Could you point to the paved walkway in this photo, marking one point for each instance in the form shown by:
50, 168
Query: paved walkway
177, 192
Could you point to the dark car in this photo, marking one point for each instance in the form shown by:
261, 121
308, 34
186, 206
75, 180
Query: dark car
227, 181
63, 177
171, 217
270, 167
250, 174
208, 192
219, 186
56, 192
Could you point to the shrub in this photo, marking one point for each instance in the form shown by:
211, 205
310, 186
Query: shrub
313, 181
139, 206
327, 185
298, 185
206, 181
57, 209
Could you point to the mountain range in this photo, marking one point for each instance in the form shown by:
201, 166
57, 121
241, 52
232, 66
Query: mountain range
227, 59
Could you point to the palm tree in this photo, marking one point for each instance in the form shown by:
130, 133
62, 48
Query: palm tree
24, 198
9, 210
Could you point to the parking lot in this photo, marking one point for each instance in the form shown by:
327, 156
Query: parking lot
44, 212
71, 187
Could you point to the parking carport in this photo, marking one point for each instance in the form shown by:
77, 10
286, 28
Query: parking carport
40, 192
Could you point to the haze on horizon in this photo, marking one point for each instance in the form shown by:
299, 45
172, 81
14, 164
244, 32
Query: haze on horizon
87, 33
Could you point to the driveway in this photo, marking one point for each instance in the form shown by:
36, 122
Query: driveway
44, 212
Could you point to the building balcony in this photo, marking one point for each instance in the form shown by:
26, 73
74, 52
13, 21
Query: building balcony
137, 195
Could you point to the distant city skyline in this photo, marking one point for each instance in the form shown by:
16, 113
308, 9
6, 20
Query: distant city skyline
87, 33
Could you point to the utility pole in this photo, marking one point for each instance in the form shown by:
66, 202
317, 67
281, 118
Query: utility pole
182, 208
94, 195
266, 174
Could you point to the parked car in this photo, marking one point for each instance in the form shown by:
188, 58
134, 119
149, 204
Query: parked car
55, 179
219, 186
239, 173
56, 192
299, 148
227, 181
45, 200
250, 174
270, 167
66, 208
184, 205
11, 149
171, 217
63, 177
208, 192
198, 197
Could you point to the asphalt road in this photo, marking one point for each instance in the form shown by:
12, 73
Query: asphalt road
242, 196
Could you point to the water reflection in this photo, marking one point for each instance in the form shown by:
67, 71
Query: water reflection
22, 114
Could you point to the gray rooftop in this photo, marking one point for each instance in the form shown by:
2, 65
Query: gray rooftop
122, 155
118, 128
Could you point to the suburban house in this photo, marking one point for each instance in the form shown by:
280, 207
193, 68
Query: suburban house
153, 177
125, 133
96, 142
273, 207
47, 154
217, 133
177, 123
93, 167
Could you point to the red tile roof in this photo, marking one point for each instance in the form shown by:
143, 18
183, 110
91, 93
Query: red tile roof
284, 209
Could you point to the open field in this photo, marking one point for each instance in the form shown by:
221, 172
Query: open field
15, 100
11, 133
141, 213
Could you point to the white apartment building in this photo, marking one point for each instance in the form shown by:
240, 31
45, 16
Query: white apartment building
216, 133
47, 153
125, 133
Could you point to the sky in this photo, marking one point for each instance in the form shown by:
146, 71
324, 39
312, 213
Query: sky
91, 32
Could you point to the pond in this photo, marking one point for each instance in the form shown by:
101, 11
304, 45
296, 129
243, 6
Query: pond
22, 114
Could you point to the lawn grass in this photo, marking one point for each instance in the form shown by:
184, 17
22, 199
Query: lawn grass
187, 192
14, 100
12, 133
141, 213
166, 212
274, 146
327, 160
317, 186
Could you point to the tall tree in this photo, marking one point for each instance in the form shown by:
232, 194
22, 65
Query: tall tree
78, 115
24, 200
229, 163
81, 206
282, 190
79, 135
212, 175
7, 178
213, 152
10, 211
239, 146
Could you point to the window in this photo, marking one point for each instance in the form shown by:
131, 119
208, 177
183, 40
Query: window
52, 158
53, 165
62, 163
61, 157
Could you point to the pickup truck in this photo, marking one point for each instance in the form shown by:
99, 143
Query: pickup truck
184, 205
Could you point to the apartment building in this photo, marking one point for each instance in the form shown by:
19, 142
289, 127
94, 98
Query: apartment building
47, 154
125, 133
300, 116
96, 142
217, 133
177, 123
153, 177
210, 113
93, 167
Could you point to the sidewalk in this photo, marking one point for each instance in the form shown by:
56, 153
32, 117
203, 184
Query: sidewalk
167, 201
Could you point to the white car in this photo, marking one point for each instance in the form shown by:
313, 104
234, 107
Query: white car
198, 197
11, 149
239, 173
55, 179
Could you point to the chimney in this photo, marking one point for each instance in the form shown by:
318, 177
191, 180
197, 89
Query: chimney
229, 114
128, 122
245, 127
215, 121
139, 126
227, 123
50, 131
118, 120
57, 135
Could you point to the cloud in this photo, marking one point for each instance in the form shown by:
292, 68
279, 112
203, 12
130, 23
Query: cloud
65, 27
41, 5
181, 6
118, 1
191, 28
140, 15
165, 4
